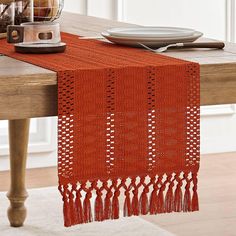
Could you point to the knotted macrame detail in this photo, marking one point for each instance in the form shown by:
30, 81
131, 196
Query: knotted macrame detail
109, 199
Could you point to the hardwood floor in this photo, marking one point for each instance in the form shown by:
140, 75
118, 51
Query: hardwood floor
35, 178
217, 192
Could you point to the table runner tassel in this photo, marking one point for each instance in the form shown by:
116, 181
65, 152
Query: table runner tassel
195, 203
187, 204
153, 201
66, 208
73, 213
107, 205
135, 202
79, 208
143, 202
169, 206
160, 200
115, 205
66, 212
87, 208
178, 197
99, 215
127, 204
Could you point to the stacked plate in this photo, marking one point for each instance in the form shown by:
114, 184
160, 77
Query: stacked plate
151, 36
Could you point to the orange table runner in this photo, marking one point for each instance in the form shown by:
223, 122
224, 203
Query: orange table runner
128, 129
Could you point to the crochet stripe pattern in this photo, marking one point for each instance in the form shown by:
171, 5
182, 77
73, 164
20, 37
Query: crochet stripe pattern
128, 130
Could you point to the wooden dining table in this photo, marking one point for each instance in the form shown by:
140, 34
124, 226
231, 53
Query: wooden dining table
28, 91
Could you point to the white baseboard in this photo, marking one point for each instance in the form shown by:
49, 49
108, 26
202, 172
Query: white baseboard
218, 129
42, 149
34, 161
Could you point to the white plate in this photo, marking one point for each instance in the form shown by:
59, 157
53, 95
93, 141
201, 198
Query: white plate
152, 42
151, 32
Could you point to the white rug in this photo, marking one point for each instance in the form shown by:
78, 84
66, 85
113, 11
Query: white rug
45, 219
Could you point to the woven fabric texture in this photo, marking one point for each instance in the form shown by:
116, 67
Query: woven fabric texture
128, 125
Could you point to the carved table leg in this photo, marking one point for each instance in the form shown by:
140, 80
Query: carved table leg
18, 138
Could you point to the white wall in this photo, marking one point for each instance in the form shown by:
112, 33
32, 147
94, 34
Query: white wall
42, 143
99, 8
79, 6
205, 15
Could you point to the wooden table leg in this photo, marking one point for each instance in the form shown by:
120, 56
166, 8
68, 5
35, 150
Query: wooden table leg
18, 138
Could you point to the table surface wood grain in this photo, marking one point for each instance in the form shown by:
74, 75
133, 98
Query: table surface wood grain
28, 91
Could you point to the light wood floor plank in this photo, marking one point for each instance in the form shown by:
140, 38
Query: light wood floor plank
35, 178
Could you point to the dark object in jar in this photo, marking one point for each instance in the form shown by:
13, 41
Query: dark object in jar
5, 20
20, 18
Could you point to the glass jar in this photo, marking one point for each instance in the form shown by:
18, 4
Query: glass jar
37, 10
6, 15
47, 10
21, 11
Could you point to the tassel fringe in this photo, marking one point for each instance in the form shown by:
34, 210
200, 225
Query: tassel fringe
142, 196
107, 207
